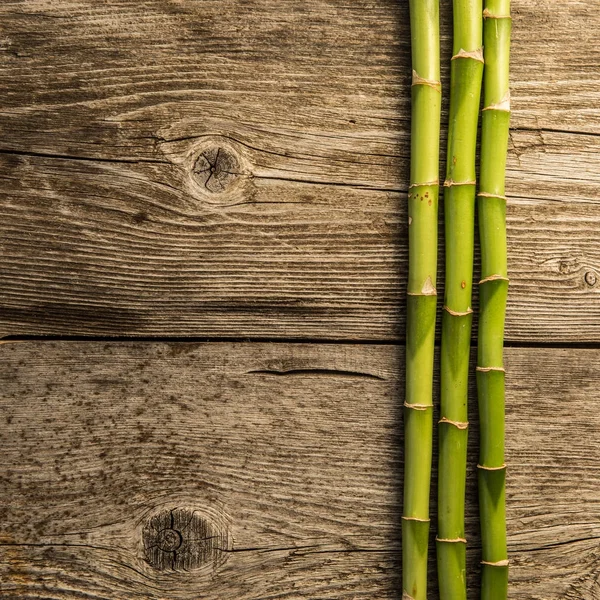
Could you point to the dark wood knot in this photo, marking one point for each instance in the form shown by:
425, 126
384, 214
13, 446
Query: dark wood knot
182, 539
216, 169
169, 540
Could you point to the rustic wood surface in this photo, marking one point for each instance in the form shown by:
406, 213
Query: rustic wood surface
238, 169
290, 453
114, 112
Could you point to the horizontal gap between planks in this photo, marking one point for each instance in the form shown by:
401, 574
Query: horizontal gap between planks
277, 340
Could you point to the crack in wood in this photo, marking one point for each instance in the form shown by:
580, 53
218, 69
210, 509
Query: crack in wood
317, 371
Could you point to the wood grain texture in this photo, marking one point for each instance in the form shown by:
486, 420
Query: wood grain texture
113, 115
290, 454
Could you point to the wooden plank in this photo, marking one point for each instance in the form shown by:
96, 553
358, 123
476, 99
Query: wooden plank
112, 222
279, 464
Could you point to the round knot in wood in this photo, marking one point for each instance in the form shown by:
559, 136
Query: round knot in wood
590, 278
182, 539
216, 169
169, 540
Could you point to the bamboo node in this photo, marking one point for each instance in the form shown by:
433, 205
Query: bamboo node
494, 277
498, 563
488, 369
425, 184
486, 195
428, 288
418, 519
451, 540
456, 313
406, 596
418, 406
421, 293
489, 15
501, 468
450, 183
418, 80
474, 54
457, 424
503, 105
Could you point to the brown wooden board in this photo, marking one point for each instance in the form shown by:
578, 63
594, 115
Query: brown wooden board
278, 465
181, 168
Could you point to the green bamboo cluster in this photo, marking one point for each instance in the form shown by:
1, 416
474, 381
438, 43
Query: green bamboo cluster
493, 290
472, 34
459, 211
421, 293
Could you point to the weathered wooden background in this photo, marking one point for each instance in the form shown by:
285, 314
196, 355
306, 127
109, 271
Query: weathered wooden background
226, 181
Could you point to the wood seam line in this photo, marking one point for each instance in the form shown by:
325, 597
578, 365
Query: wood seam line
486, 195
494, 277
491, 468
455, 313
450, 183
488, 369
499, 563
425, 184
474, 54
503, 105
451, 540
416, 519
457, 424
432, 83
417, 406
487, 14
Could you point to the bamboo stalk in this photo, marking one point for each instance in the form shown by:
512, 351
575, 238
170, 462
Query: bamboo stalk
421, 294
459, 212
493, 290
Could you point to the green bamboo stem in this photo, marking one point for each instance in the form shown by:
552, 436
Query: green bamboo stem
421, 294
459, 210
493, 290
